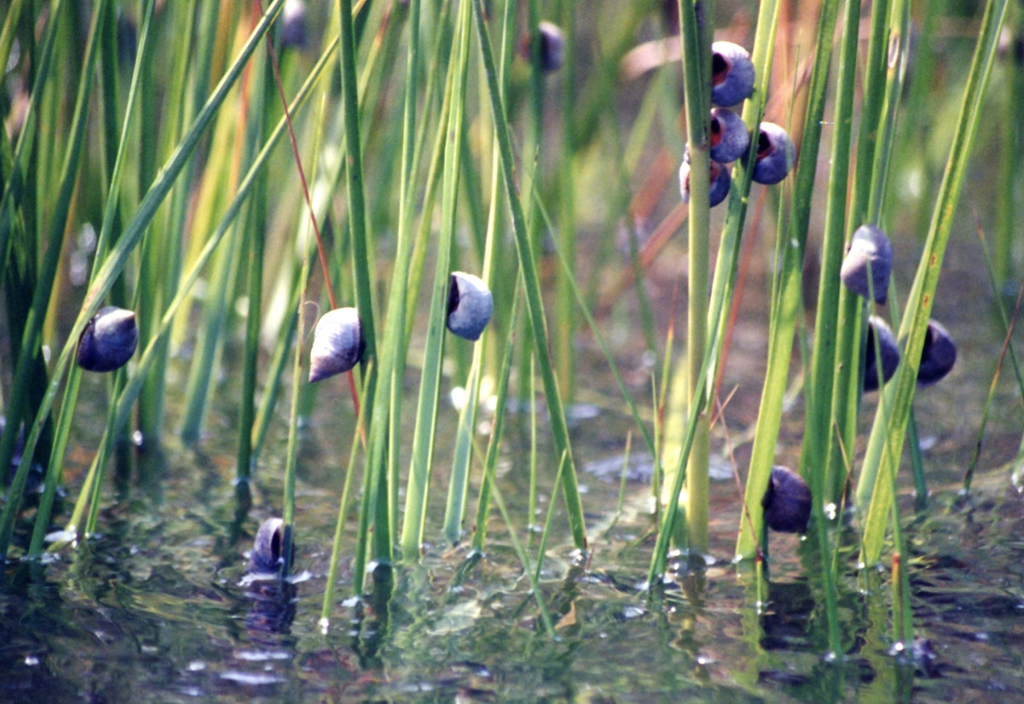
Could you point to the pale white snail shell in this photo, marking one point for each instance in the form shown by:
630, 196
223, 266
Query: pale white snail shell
470, 305
337, 344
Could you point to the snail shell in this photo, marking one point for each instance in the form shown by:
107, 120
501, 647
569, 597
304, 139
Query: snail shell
732, 74
890, 353
108, 340
729, 136
775, 154
868, 246
293, 24
337, 344
267, 555
552, 47
470, 305
937, 356
720, 182
787, 502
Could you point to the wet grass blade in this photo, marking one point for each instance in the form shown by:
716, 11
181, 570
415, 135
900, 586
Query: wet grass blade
870, 168
571, 284
1007, 347
546, 531
339, 528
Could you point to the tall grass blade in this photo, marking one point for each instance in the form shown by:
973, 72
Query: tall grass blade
818, 427
332, 572
483, 506
787, 303
528, 267
899, 393
524, 557
696, 39
32, 334
871, 166
115, 262
430, 381
109, 231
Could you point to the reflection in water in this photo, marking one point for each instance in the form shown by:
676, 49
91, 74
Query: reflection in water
786, 620
273, 608
273, 595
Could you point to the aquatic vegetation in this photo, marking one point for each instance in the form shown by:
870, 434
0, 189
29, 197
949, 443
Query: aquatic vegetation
191, 232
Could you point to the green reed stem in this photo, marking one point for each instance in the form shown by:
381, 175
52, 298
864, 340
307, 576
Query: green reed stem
899, 392
818, 428
44, 285
533, 296
566, 268
385, 429
565, 353
787, 303
430, 383
375, 496
161, 251
1008, 326
696, 39
659, 558
524, 557
546, 531
256, 237
361, 255
1011, 174
871, 166
339, 527
23, 149
483, 506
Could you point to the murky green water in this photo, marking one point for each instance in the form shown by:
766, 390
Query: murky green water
156, 610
